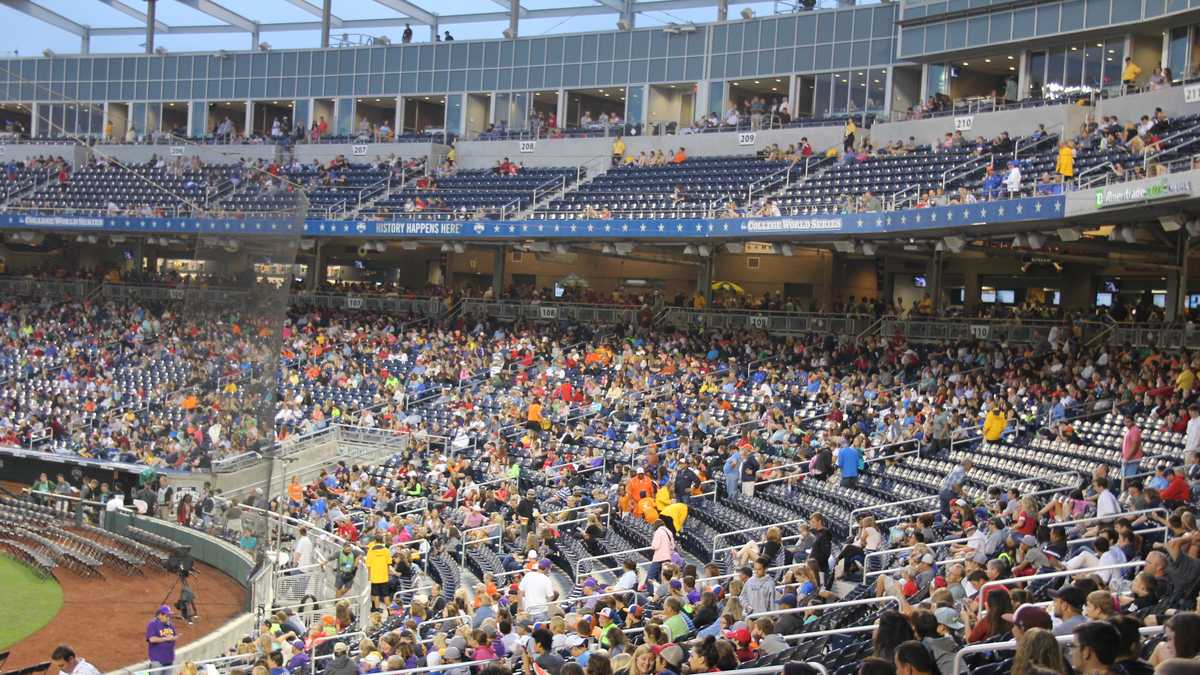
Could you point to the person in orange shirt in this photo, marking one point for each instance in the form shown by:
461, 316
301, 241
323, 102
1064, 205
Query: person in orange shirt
295, 490
640, 487
533, 417
680, 156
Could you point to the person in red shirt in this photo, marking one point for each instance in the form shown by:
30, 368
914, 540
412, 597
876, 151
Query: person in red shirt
1177, 492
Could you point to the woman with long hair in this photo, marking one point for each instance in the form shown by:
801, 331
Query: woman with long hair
999, 603
704, 656
1038, 647
892, 630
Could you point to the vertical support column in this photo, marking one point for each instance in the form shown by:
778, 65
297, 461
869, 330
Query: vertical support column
1023, 75
971, 288
499, 259
151, 5
326, 16
924, 81
85, 41
249, 121
434, 32
722, 10
514, 19
888, 94
317, 274
936, 264
627, 15
1177, 280
254, 38
704, 278
561, 113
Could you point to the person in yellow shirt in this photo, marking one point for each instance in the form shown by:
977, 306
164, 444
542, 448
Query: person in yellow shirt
994, 423
618, 150
379, 569
662, 498
1065, 166
451, 156
1131, 72
674, 515
1185, 379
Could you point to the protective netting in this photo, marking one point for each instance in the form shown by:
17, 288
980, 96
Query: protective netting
234, 320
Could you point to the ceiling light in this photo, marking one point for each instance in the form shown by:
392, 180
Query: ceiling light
1010, 58
756, 82
1099, 44
1074, 49
1014, 67
964, 63
987, 60
778, 80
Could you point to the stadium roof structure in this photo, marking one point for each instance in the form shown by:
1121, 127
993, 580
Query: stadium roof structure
324, 20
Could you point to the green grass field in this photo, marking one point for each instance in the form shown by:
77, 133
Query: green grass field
38, 599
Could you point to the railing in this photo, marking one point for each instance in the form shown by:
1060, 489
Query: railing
771, 321
967, 168
758, 528
613, 556
766, 182
902, 198
1011, 646
1030, 142
934, 329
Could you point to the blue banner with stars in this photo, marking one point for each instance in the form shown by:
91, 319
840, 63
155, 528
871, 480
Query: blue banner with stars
795, 227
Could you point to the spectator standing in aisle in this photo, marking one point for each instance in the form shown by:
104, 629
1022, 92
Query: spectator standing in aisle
1131, 449
160, 639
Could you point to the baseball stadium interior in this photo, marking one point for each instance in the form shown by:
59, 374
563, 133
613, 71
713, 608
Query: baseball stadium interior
813, 337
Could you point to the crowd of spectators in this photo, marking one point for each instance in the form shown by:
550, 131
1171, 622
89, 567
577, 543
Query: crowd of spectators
500, 464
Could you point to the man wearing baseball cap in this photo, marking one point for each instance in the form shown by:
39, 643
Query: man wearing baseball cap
1068, 607
160, 638
1027, 617
667, 658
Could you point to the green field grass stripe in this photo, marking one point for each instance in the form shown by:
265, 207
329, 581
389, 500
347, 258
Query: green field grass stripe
38, 599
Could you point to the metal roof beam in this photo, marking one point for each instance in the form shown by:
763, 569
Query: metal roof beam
314, 10
221, 13
135, 13
46, 16
411, 11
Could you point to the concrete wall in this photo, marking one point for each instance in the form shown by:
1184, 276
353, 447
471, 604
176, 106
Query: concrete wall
580, 151
1017, 122
1133, 106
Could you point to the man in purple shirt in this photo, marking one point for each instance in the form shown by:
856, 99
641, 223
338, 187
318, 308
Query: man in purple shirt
160, 638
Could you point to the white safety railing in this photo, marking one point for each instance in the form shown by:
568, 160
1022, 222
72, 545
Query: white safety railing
611, 556
758, 528
1162, 510
990, 585
1011, 646
828, 606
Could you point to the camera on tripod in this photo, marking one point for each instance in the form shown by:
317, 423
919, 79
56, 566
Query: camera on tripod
180, 561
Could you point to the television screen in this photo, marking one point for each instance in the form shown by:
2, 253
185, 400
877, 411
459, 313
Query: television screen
1160, 300
360, 265
559, 290
919, 282
1111, 286
1056, 298
1104, 299
1194, 301
987, 295
1006, 296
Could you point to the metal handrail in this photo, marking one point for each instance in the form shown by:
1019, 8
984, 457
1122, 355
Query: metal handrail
1011, 645
825, 607
984, 589
1103, 519
610, 555
757, 528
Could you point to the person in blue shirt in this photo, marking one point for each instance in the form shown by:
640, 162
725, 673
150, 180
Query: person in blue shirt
732, 470
849, 464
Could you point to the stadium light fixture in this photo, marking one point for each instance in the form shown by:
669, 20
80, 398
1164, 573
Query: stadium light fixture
1036, 240
1172, 223
608, 249
787, 250
690, 249
1069, 234
48, 53
869, 248
264, 46
623, 247
954, 244
1018, 241
747, 13
1193, 228
688, 28
703, 250
671, 29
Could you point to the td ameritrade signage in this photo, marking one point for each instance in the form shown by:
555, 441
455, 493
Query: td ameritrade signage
1161, 188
